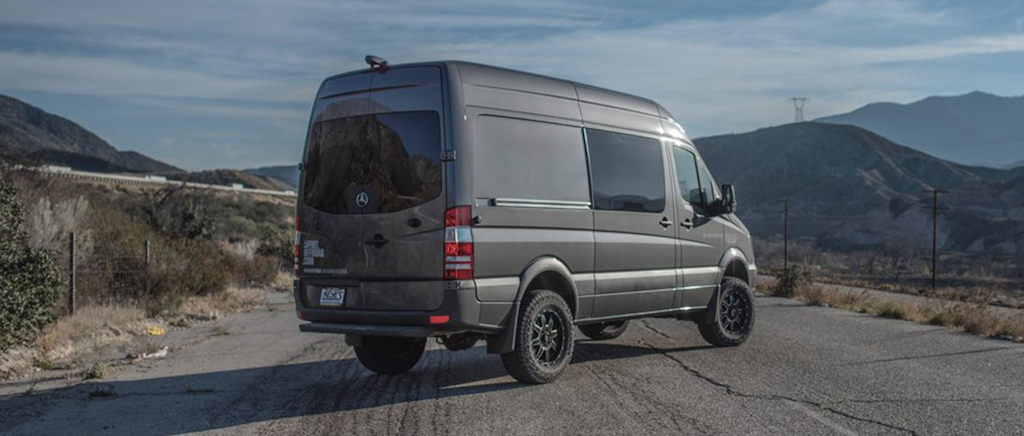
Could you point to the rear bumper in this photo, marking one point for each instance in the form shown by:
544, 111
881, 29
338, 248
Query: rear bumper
459, 303
369, 330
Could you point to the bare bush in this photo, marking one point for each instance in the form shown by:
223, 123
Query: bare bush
49, 224
792, 281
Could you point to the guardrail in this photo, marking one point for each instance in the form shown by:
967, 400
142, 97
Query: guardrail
62, 171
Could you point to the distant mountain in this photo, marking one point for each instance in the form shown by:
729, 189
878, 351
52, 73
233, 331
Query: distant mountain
49, 138
286, 176
975, 128
850, 187
1017, 164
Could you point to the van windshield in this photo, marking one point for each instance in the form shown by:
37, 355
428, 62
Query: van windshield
394, 158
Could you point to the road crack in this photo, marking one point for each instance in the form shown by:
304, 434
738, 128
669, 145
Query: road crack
731, 391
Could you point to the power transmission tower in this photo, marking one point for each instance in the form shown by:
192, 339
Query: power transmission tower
935, 230
798, 105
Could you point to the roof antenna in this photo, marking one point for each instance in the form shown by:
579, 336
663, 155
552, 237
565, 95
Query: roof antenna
376, 63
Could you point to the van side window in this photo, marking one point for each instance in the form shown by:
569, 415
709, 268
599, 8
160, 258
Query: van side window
530, 160
627, 171
686, 176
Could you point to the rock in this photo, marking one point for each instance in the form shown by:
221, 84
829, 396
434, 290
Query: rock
156, 354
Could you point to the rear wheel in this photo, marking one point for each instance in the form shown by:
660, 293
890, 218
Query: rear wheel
606, 330
385, 355
731, 320
543, 339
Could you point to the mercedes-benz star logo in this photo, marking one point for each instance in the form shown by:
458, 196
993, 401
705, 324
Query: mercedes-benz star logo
362, 199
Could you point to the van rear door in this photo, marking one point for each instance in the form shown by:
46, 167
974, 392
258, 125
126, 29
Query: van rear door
384, 167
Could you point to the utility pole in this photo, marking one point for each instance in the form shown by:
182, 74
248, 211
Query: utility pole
785, 236
935, 232
71, 274
798, 105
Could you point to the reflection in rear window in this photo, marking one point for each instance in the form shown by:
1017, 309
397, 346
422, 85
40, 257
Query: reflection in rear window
394, 158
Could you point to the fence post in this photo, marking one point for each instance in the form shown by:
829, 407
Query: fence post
147, 252
71, 274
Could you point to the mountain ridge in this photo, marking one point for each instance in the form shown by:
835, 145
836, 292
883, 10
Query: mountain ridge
977, 128
863, 189
37, 133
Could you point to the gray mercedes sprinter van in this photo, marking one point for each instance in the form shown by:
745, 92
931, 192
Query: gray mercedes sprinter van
465, 202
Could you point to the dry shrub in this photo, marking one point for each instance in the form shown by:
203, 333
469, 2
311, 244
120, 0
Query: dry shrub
855, 301
256, 270
762, 288
211, 307
791, 282
814, 295
900, 309
1013, 327
283, 282
89, 334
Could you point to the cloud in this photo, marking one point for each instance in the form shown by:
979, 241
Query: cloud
717, 71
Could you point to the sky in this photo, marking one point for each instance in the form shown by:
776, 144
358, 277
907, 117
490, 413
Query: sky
230, 83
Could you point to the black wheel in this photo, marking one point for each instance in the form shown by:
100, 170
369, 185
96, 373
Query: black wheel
605, 330
544, 339
385, 355
730, 322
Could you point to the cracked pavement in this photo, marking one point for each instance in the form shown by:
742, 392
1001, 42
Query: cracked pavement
805, 370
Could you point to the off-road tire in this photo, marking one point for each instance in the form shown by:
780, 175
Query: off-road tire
523, 363
386, 355
605, 330
727, 330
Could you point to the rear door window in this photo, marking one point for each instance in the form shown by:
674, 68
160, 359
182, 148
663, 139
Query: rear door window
627, 172
394, 158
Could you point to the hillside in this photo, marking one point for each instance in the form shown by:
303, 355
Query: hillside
852, 187
37, 134
227, 177
285, 176
975, 128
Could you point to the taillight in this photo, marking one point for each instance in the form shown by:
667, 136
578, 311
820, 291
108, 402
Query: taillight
295, 251
458, 244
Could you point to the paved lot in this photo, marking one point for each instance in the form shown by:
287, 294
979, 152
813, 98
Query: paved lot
806, 370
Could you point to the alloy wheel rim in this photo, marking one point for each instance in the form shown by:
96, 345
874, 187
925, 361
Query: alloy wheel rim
734, 313
547, 337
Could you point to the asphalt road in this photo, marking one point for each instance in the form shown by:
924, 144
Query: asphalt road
806, 370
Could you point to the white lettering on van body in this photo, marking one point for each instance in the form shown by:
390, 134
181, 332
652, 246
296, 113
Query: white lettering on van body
311, 251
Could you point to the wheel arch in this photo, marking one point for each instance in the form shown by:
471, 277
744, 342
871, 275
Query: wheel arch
545, 272
735, 264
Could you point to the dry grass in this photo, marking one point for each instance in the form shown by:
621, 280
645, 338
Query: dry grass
91, 335
282, 283
974, 315
211, 307
96, 335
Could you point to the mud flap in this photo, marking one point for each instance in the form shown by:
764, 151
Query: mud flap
505, 341
354, 340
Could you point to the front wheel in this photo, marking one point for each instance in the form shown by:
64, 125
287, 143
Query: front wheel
731, 320
543, 339
385, 355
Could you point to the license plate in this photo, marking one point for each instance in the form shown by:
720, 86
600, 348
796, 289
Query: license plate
332, 297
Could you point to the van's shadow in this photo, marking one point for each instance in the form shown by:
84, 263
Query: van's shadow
223, 399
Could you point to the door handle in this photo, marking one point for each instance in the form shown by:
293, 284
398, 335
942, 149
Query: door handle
665, 222
377, 241
688, 223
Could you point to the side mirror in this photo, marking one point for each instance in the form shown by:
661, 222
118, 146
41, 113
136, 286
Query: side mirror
728, 199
